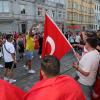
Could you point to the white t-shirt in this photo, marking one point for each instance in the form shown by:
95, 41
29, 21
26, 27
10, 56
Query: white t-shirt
84, 51
7, 56
77, 39
89, 63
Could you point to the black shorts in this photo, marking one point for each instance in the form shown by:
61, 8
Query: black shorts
9, 65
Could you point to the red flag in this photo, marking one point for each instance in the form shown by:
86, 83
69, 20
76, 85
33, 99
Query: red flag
54, 42
10, 92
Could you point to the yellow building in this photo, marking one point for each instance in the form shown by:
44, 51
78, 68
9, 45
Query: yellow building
80, 13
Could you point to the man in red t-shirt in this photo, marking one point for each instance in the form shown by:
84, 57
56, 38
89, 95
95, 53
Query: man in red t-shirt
54, 86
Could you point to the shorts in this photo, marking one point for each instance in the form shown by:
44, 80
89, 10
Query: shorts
9, 65
29, 55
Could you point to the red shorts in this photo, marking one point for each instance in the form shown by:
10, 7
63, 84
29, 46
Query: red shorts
97, 88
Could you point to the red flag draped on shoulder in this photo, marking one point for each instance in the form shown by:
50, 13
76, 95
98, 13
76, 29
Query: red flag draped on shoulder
54, 42
10, 92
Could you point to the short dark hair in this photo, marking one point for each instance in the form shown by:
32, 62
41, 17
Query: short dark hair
92, 34
8, 36
50, 65
92, 42
98, 42
20, 34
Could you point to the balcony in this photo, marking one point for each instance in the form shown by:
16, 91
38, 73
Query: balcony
40, 1
58, 5
6, 16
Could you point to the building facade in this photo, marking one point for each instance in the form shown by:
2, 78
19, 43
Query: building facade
18, 15
80, 13
96, 25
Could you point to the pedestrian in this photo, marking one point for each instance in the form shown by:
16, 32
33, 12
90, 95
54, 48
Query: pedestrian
71, 39
40, 44
36, 39
88, 66
77, 38
20, 44
29, 50
9, 58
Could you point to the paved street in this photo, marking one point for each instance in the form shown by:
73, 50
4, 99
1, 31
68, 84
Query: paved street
25, 80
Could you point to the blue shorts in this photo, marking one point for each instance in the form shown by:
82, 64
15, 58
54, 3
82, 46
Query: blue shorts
29, 55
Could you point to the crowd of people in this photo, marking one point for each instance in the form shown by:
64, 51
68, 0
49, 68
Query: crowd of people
15, 46
85, 86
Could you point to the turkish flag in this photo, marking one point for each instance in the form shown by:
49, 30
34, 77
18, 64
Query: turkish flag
54, 42
10, 92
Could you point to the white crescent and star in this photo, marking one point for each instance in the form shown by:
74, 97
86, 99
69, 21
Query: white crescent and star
52, 44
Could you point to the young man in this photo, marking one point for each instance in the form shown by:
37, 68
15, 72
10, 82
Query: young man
29, 50
54, 86
88, 66
9, 58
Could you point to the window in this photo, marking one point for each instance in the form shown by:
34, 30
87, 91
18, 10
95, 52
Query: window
70, 4
1, 10
62, 1
23, 28
59, 14
52, 0
53, 14
39, 11
64, 14
99, 8
95, 7
4, 6
22, 7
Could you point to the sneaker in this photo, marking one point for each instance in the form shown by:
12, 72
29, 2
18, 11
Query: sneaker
26, 67
6, 78
31, 71
1, 66
12, 81
40, 57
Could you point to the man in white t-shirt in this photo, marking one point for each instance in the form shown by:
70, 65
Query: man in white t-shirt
88, 66
9, 58
77, 38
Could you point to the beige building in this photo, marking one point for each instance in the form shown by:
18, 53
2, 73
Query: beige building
80, 13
